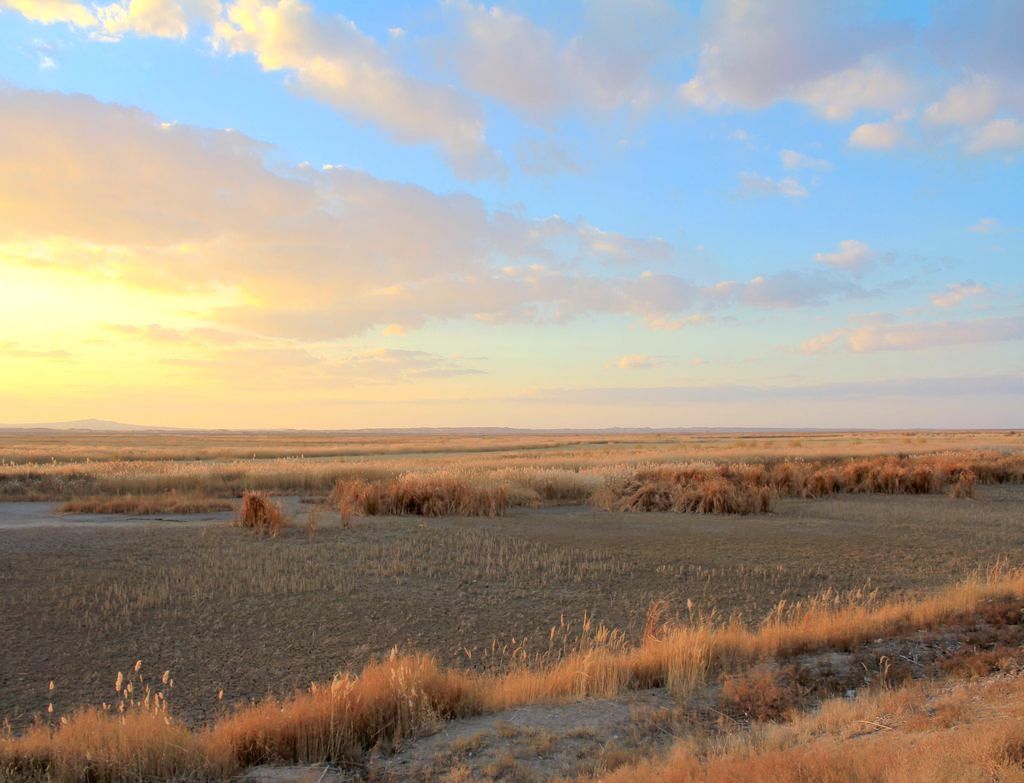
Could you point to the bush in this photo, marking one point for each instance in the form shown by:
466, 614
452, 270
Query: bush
759, 694
964, 486
430, 495
261, 514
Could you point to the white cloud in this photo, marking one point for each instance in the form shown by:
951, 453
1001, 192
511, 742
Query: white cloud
546, 158
820, 342
637, 361
968, 103
1004, 135
759, 53
313, 253
841, 95
334, 62
877, 135
851, 255
53, 11
753, 184
157, 18
605, 66
797, 160
984, 226
954, 294
919, 336
908, 337
784, 290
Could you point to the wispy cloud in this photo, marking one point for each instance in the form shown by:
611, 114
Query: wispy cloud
792, 160
1003, 135
852, 255
878, 135
313, 252
954, 294
752, 184
918, 336
913, 388
984, 226
333, 61
756, 54
19, 351
607, 65
638, 361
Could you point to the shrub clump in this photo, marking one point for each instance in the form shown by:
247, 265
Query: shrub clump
427, 495
258, 512
686, 490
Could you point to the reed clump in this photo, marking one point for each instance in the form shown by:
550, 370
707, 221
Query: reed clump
426, 495
750, 488
964, 486
684, 491
260, 513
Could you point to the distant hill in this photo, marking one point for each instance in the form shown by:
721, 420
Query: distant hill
94, 425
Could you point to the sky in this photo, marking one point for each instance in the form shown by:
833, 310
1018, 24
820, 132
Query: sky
635, 213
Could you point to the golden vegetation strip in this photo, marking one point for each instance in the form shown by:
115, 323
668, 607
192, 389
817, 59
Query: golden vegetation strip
533, 469
489, 489
695, 487
46, 447
404, 695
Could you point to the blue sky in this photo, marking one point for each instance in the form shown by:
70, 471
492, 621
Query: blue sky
285, 213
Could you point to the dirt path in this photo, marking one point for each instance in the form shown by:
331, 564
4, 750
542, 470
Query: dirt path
536, 742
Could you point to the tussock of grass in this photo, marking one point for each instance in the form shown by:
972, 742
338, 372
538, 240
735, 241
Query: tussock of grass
258, 512
964, 486
407, 694
684, 491
167, 503
428, 495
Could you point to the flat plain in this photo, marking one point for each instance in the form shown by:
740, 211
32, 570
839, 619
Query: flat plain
235, 616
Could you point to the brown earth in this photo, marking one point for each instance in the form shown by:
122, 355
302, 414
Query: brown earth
81, 599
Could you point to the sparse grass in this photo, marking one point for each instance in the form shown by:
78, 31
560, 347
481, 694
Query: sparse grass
167, 503
406, 694
971, 733
475, 594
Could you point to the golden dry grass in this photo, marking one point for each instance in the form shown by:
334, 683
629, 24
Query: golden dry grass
431, 495
407, 694
533, 469
969, 733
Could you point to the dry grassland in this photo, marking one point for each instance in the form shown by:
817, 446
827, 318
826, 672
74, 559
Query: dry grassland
135, 736
432, 578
